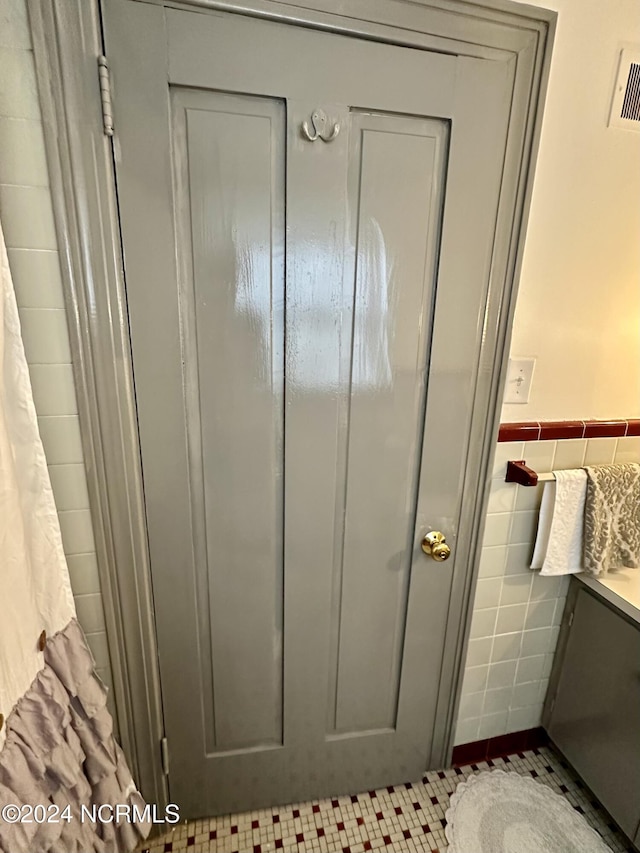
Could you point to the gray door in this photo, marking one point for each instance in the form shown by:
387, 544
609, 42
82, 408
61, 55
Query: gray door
306, 313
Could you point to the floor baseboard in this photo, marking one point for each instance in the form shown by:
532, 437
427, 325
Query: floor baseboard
495, 747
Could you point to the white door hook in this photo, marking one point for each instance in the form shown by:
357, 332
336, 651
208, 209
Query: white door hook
320, 122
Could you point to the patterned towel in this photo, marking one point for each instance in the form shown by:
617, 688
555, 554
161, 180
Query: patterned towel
612, 518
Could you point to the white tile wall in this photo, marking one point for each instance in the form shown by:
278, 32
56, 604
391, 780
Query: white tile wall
27, 220
517, 613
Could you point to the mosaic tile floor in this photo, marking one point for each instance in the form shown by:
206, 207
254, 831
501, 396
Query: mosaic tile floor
405, 818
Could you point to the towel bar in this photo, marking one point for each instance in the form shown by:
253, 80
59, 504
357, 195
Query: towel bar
519, 472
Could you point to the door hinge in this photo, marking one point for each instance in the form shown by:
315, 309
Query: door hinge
164, 753
105, 95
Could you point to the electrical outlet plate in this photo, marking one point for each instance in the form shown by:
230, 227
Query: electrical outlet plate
519, 377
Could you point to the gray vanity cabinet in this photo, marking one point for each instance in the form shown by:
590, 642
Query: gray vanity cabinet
592, 712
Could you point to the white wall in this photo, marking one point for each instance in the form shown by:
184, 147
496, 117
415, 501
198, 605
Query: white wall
27, 221
578, 308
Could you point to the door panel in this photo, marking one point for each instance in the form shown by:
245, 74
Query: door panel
396, 176
304, 361
229, 156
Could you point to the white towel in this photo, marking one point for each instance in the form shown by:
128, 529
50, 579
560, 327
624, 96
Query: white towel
558, 549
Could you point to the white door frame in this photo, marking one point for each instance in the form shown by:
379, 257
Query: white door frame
67, 41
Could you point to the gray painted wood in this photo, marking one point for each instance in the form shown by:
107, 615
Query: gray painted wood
67, 37
594, 715
379, 379
229, 158
396, 177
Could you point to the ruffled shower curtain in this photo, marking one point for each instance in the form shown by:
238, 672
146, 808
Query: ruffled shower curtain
57, 750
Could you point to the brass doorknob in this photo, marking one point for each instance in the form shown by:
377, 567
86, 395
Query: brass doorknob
435, 546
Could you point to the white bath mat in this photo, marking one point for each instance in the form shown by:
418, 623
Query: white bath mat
498, 812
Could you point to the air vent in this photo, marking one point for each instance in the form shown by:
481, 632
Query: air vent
625, 108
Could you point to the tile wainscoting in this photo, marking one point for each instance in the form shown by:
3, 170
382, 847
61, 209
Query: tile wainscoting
517, 613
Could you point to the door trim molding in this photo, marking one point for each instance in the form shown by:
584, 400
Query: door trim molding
67, 42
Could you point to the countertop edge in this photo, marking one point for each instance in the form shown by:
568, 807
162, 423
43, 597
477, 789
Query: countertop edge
609, 595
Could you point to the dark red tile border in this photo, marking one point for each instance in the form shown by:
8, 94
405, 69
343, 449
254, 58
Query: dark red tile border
604, 429
519, 432
496, 747
633, 427
469, 753
561, 429
558, 430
